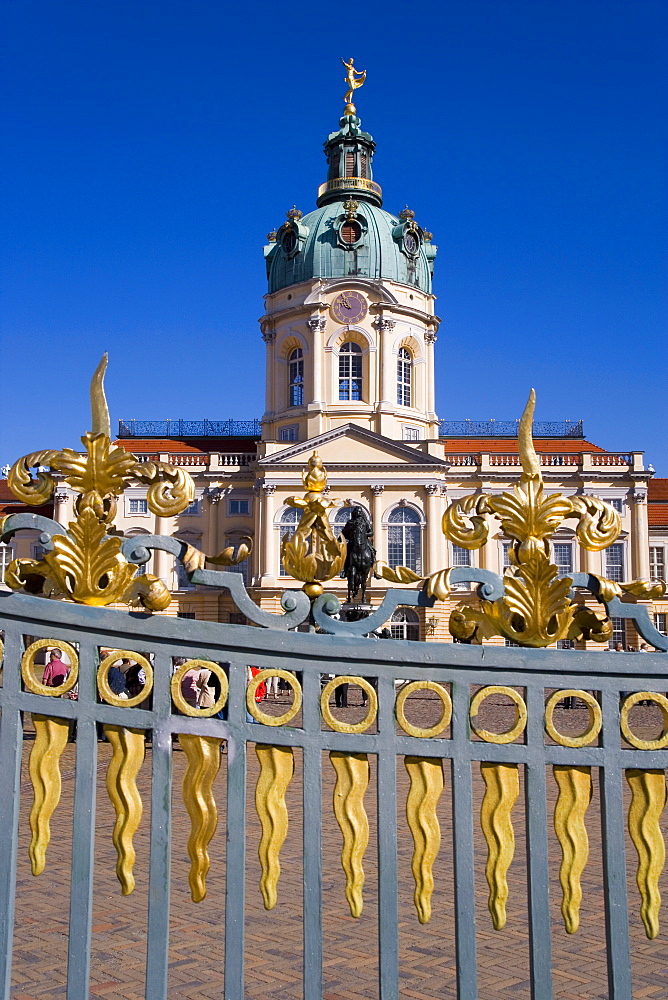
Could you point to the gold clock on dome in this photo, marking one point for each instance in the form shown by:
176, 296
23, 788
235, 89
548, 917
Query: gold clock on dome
349, 307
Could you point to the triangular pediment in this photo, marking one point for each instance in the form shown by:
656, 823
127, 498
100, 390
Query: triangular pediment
351, 446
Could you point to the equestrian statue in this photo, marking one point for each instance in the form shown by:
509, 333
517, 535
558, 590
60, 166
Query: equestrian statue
360, 554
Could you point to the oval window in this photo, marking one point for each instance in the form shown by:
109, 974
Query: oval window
289, 241
410, 242
351, 232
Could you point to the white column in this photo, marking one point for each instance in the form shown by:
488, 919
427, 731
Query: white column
269, 337
430, 400
377, 522
317, 326
163, 561
269, 560
435, 555
640, 534
388, 375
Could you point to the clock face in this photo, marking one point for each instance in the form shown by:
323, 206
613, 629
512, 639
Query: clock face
349, 307
410, 242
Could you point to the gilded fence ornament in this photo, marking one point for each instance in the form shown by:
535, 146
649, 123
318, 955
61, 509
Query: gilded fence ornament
128, 747
44, 768
648, 789
536, 608
575, 791
203, 754
276, 770
502, 783
85, 563
312, 554
352, 779
426, 776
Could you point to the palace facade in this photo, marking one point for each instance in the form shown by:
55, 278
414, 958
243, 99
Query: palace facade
350, 330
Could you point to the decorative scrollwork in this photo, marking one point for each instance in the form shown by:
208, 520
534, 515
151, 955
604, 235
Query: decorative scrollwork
83, 563
203, 753
426, 775
50, 741
502, 788
126, 760
276, 769
569, 825
352, 779
536, 608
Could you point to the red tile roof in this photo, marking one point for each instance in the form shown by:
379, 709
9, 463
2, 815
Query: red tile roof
508, 446
658, 491
173, 446
10, 505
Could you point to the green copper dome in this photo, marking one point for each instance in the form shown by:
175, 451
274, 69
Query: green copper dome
349, 234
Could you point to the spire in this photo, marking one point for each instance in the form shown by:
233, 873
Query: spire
349, 152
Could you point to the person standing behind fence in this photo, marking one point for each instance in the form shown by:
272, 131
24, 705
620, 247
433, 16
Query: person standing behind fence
56, 670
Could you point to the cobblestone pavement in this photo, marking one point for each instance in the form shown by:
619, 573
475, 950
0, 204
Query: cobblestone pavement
273, 939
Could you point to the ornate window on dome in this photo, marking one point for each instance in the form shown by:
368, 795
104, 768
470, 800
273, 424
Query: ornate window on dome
404, 377
350, 371
350, 232
296, 385
289, 242
350, 163
363, 165
411, 242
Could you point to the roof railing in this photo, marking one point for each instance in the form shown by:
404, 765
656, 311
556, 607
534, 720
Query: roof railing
188, 428
509, 428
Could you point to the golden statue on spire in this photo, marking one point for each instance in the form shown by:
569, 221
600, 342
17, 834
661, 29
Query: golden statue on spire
354, 78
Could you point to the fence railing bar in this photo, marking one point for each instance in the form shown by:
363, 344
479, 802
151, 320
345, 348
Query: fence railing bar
157, 948
386, 797
11, 747
462, 839
614, 858
235, 857
312, 834
83, 832
538, 875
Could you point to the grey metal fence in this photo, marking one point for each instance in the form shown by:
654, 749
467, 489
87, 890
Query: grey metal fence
456, 671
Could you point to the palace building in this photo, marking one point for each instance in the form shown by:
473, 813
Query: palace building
350, 330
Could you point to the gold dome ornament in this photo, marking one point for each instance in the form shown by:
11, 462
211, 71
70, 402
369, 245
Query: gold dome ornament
355, 79
312, 554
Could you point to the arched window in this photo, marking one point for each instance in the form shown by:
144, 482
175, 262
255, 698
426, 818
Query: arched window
405, 624
404, 373
343, 515
403, 539
296, 388
350, 371
289, 520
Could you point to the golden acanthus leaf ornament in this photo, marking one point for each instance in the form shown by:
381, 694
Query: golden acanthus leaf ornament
312, 554
86, 564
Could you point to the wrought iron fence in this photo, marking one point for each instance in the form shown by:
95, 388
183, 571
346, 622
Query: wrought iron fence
461, 676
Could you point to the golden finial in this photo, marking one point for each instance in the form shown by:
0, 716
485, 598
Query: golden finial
354, 78
314, 477
528, 457
98, 401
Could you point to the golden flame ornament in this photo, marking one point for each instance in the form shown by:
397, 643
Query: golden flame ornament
86, 564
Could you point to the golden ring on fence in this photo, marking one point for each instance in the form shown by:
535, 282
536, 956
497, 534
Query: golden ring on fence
177, 694
520, 714
446, 714
635, 741
273, 720
103, 682
28, 668
595, 718
348, 727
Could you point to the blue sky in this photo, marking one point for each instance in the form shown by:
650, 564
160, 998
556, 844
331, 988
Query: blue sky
151, 146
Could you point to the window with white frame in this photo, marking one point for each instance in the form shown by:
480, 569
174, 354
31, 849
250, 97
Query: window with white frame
288, 433
194, 509
405, 624
614, 562
404, 377
618, 633
182, 581
565, 644
350, 371
38, 551
562, 553
403, 539
186, 614
6, 556
505, 552
411, 433
296, 378
660, 622
617, 504
509, 642
657, 563
288, 525
461, 557
137, 506
237, 507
